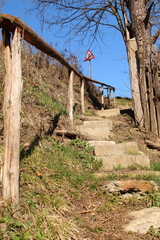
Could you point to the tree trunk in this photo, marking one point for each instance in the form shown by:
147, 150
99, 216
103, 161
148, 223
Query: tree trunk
147, 65
132, 59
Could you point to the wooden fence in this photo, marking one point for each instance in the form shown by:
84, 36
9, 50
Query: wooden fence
13, 30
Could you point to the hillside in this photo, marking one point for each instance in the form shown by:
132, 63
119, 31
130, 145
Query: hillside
62, 195
45, 93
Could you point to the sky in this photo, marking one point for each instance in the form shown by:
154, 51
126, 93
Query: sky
110, 64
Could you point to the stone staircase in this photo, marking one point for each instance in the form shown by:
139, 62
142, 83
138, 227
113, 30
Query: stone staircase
98, 131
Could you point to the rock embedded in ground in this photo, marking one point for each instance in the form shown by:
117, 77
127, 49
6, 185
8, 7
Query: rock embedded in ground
143, 220
130, 186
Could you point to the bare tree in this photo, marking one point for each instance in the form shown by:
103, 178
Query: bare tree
138, 21
1, 4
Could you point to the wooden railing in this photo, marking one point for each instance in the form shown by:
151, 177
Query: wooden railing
14, 29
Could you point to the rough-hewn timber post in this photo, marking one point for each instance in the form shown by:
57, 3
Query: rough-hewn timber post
11, 108
82, 96
102, 90
109, 97
71, 96
114, 98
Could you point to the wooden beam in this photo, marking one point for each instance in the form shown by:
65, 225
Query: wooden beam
71, 96
95, 81
82, 96
12, 107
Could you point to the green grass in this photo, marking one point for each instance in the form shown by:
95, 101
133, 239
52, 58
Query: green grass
124, 101
154, 199
89, 113
129, 137
136, 166
154, 232
155, 166
118, 167
44, 100
65, 172
39, 95
148, 177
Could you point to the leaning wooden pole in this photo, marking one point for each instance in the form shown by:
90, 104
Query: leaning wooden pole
82, 96
11, 109
71, 96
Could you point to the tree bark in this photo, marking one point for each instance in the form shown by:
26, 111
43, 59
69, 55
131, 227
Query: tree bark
132, 58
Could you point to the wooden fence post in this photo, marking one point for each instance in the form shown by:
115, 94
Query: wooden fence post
11, 109
71, 96
82, 96
109, 97
114, 98
102, 87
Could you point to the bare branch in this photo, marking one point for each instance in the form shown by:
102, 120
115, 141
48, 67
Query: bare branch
146, 20
155, 36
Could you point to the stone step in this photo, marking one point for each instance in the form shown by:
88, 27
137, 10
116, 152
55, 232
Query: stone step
93, 132
108, 149
108, 112
100, 143
90, 118
103, 124
123, 161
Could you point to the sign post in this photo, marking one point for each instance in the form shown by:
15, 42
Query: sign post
88, 57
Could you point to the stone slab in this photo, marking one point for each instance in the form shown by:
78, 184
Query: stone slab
101, 143
143, 220
111, 162
108, 112
130, 148
103, 124
90, 118
94, 132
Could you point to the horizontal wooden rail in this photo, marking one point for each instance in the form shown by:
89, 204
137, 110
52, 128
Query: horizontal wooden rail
9, 22
102, 84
